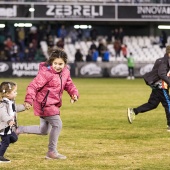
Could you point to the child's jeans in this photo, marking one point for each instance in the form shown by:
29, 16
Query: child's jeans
6, 140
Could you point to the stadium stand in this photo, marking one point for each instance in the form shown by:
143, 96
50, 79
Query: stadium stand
142, 48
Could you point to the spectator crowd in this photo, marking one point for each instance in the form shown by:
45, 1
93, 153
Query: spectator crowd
23, 44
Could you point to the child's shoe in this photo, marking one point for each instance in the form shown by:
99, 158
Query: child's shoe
168, 128
4, 160
55, 155
131, 115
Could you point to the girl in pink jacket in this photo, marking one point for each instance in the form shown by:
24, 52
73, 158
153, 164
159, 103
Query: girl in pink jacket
44, 93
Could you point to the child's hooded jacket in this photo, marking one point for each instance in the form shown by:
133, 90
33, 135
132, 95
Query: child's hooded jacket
46, 89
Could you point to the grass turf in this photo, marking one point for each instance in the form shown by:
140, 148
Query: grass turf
96, 134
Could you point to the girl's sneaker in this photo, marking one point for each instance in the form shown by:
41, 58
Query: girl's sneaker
55, 155
4, 160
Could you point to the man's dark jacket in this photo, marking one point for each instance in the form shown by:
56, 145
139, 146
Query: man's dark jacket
159, 71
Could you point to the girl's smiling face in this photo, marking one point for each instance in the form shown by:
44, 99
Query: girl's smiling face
58, 64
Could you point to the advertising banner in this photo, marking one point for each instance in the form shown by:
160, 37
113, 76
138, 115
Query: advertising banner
116, 69
141, 12
79, 69
24, 69
11, 69
14, 11
78, 12
84, 12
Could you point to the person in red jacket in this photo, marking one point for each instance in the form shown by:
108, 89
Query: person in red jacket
45, 94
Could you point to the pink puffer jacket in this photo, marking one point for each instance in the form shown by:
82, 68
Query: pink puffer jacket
46, 89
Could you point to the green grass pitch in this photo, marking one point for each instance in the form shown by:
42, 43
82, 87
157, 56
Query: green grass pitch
96, 134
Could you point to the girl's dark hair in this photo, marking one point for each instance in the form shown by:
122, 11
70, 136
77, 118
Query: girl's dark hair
57, 53
6, 87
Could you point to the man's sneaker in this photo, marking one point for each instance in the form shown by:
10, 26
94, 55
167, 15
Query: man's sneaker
4, 160
131, 115
55, 155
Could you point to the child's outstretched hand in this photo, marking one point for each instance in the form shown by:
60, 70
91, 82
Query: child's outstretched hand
74, 98
11, 123
27, 106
